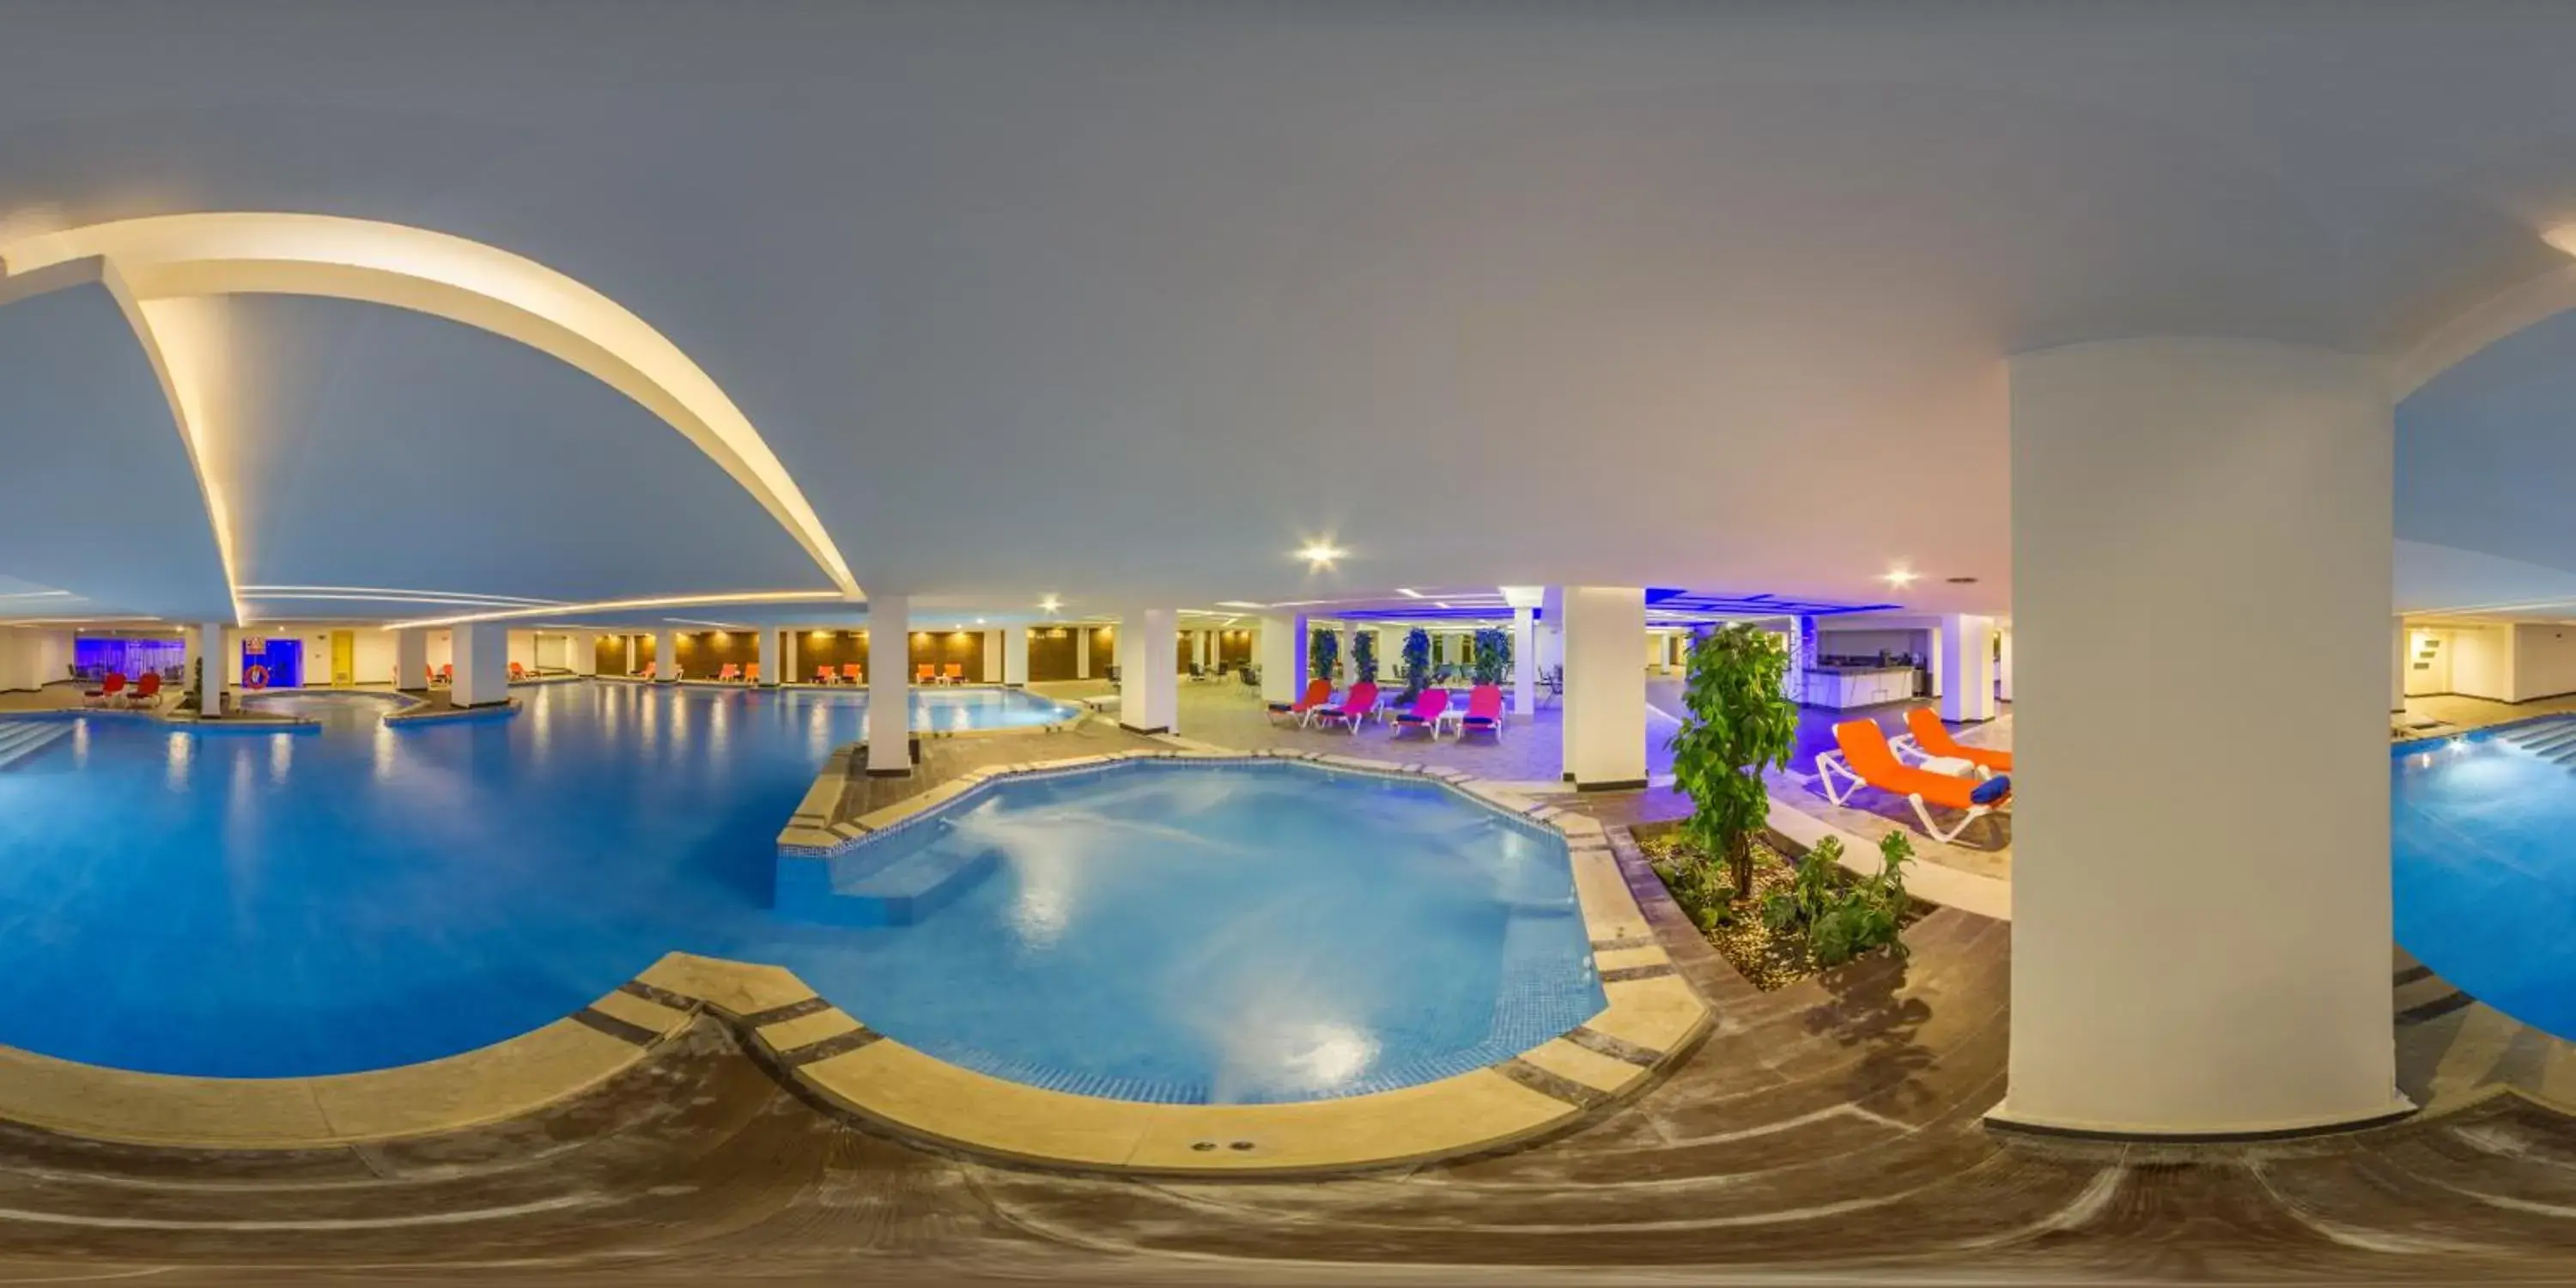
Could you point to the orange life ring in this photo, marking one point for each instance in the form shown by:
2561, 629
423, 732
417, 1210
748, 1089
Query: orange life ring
255, 676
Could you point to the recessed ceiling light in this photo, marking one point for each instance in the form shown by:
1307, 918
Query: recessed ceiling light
1900, 577
1320, 552
1408, 594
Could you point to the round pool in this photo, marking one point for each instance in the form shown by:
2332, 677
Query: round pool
1193, 932
271, 904
2484, 864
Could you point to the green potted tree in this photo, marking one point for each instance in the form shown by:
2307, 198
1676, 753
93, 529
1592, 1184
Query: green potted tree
1324, 655
1416, 669
1738, 725
1493, 656
1364, 656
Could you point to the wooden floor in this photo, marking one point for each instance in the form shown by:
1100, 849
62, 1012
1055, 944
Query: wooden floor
1832, 1128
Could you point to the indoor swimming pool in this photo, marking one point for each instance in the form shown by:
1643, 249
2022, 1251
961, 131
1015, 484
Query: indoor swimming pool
2484, 863
272, 903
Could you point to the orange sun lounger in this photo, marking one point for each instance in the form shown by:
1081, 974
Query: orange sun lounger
1925, 733
1866, 760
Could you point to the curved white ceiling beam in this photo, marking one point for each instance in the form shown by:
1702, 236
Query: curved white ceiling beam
174, 256
2527, 304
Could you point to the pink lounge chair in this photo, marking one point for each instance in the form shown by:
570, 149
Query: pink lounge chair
1484, 711
1425, 714
1355, 708
1318, 692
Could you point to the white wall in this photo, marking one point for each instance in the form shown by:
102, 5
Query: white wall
2237, 982
2483, 662
32, 658
2544, 658
2428, 661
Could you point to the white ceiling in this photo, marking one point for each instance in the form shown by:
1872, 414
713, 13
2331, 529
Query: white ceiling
1124, 301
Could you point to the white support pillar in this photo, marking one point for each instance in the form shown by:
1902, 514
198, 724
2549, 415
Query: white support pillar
2236, 982
481, 656
1282, 654
1605, 687
1015, 655
1525, 663
773, 658
2004, 665
630, 652
889, 686
1082, 652
1967, 668
666, 654
411, 660
992, 656
1149, 689
210, 678
2397, 665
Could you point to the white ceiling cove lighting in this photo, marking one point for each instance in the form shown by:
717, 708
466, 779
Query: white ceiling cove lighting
1408, 594
2561, 236
622, 605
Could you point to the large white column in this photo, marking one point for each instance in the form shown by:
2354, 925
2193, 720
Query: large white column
1082, 652
2004, 665
210, 676
889, 685
666, 654
411, 659
1525, 662
1281, 650
1149, 689
2201, 918
2397, 664
481, 655
1015, 655
993, 657
773, 659
1967, 667
1605, 687
629, 638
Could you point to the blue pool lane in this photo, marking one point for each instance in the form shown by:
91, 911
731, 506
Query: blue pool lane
266, 904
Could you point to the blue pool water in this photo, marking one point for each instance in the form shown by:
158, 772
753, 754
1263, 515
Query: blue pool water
354, 897
2484, 861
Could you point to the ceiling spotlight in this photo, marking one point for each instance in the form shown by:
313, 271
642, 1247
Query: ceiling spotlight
1900, 578
979, 621
1320, 553
1050, 603
2562, 236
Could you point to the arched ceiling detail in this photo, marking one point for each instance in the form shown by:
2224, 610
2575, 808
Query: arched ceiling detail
181, 256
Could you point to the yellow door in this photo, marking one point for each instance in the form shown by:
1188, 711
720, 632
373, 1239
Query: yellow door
344, 658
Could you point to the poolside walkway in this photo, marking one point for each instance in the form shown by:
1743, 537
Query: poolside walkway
2452, 713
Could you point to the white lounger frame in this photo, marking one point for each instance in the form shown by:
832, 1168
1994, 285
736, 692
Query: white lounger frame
1831, 769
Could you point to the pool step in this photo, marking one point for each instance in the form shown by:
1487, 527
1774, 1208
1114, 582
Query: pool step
22, 739
913, 886
2546, 737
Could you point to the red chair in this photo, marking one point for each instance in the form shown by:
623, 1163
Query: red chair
1355, 707
1484, 711
751, 673
1318, 692
822, 675
109, 690
518, 672
1425, 714
447, 675
147, 691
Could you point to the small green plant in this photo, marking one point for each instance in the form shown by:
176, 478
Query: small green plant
1364, 656
1739, 725
1416, 668
1493, 655
1842, 917
1324, 655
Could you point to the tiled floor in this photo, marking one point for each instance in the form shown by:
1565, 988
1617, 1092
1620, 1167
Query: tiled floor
2452, 713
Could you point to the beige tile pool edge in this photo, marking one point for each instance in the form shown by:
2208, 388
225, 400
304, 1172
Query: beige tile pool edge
1652, 1019
488, 1084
